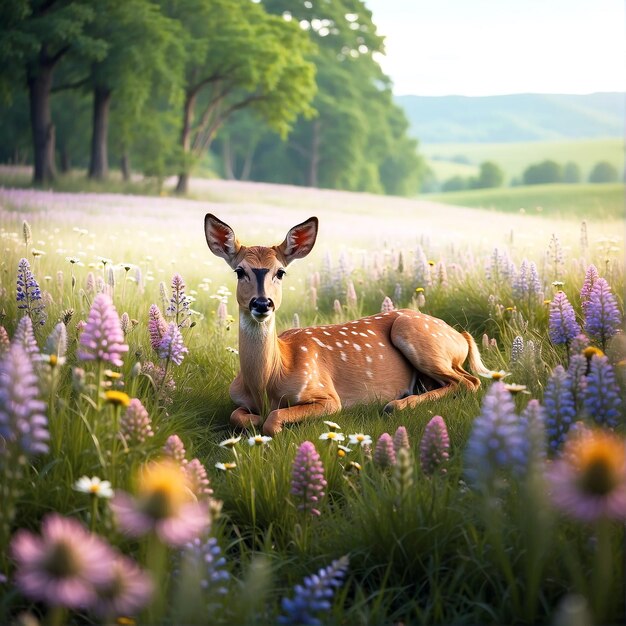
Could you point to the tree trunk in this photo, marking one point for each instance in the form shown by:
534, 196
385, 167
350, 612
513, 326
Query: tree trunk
247, 163
185, 139
125, 165
66, 166
99, 163
39, 85
227, 159
315, 155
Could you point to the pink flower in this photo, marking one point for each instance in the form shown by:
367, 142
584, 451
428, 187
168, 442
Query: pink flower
102, 339
384, 453
157, 326
63, 565
400, 439
307, 479
434, 446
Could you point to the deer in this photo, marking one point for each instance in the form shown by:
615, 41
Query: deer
401, 358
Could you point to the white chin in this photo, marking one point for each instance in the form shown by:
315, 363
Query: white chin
261, 317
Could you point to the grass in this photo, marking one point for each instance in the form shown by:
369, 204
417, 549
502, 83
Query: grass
514, 157
444, 552
603, 202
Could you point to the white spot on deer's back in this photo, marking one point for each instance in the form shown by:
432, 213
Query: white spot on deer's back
368, 359
338, 344
308, 332
327, 333
363, 334
425, 325
342, 333
381, 344
344, 356
304, 349
367, 345
369, 374
371, 332
356, 346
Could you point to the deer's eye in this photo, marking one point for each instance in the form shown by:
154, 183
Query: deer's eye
280, 274
241, 273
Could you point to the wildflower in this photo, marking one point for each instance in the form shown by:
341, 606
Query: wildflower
102, 339
563, 326
498, 375
25, 337
164, 505
602, 398
591, 276
434, 446
351, 299
94, 486
384, 453
160, 379
307, 479
259, 440
29, 293
135, 423
496, 441
577, 372
533, 423
198, 479
337, 310
295, 323
343, 450
590, 351
314, 595
387, 305
579, 343
117, 398
5, 342
353, 466
360, 439
56, 344
231, 442
128, 590
22, 419
332, 425
208, 564
332, 436
588, 481
226, 466
602, 314
179, 302
172, 346
63, 565
555, 254
157, 326
174, 449
400, 439
527, 285
515, 388
560, 408
27, 233
517, 349
402, 476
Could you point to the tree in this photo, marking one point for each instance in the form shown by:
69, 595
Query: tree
35, 37
543, 173
603, 172
237, 57
455, 183
490, 176
571, 173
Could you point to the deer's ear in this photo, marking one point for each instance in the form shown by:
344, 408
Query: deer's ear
221, 239
299, 241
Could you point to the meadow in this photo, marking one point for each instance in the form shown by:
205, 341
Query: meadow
505, 506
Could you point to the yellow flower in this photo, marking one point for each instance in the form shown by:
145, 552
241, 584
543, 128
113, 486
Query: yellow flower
590, 351
499, 375
111, 375
162, 488
599, 458
117, 398
419, 289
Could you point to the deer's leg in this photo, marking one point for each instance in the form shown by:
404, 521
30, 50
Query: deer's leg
242, 418
275, 420
437, 351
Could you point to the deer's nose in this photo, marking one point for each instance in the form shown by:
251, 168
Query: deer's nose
261, 305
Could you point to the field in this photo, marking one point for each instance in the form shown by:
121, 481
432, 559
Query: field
466, 533
514, 157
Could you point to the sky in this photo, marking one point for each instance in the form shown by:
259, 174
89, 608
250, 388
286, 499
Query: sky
494, 47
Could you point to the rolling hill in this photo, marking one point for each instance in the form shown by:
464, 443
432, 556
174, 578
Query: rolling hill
514, 118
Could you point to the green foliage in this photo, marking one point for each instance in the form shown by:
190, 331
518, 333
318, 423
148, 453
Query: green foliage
490, 176
571, 173
546, 172
603, 172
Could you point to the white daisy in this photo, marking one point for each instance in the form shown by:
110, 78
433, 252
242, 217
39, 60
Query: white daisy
94, 486
360, 439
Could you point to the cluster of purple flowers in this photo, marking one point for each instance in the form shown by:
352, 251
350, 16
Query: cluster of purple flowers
527, 285
165, 338
179, 303
209, 563
307, 479
314, 595
29, 294
603, 317
563, 326
434, 447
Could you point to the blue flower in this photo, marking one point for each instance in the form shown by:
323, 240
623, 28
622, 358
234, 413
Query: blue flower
563, 326
315, 594
558, 401
602, 398
210, 564
603, 316
172, 346
29, 293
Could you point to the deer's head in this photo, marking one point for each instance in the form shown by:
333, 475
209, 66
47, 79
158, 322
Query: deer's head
259, 269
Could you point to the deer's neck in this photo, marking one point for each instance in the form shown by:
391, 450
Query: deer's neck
259, 354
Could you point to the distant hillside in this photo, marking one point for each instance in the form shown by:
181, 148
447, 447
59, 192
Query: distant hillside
520, 117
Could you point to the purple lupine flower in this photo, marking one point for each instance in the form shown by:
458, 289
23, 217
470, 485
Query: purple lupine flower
29, 293
174, 449
56, 343
558, 401
434, 446
602, 313
314, 595
555, 255
178, 307
172, 346
5, 342
497, 439
25, 337
22, 419
384, 453
63, 565
102, 339
198, 479
533, 421
135, 423
579, 343
577, 372
563, 326
209, 564
157, 326
127, 592
351, 298
307, 479
387, 305
517, 349
521, 286
400, 439
602, 398
591, 276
